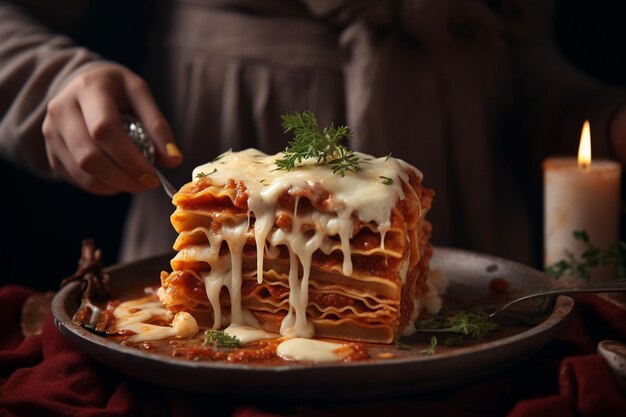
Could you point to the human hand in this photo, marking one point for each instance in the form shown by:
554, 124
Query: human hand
617, 132
85, 138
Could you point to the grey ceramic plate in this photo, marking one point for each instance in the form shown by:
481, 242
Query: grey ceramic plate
411, 371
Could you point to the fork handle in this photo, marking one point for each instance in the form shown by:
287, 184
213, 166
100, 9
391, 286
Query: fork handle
170, 190
618, 285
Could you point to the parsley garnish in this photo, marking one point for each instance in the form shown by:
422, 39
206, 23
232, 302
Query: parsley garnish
432, 349
204, 175
454, 340
591, 257
310, 143
402, 346
219, 338
473, 323
388, 156
386, 180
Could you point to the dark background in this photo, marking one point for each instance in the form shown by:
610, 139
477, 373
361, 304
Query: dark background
43, 223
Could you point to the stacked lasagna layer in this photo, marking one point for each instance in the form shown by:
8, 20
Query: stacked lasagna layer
302, 253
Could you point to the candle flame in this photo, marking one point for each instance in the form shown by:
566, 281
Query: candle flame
584, 149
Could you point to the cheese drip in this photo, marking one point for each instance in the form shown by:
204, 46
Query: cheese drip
361, 195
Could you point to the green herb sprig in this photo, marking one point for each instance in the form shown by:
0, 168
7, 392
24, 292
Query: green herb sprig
432, 349
472, 322
204, 174
402, 346
591, 258
219, 338
310, 143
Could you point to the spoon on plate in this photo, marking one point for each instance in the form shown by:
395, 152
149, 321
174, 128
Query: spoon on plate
142, 140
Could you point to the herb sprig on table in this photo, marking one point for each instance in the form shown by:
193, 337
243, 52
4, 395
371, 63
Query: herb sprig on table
590, 258
324, 146
219, 338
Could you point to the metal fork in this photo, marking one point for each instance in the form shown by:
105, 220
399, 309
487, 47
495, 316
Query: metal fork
618, 285
94, 283
91, 316
142, 140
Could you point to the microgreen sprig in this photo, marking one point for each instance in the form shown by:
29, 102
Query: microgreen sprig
204, 174
402, 346
432, 349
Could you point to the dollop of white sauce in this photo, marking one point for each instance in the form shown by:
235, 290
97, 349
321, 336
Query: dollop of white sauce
185, 325
249, 334
134, 316
140, 310
368, 195
311, 350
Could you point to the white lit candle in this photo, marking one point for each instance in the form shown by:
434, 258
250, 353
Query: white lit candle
581, 195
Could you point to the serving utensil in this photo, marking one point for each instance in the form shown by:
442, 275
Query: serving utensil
94, 285
142, 140
618, 285
531, 312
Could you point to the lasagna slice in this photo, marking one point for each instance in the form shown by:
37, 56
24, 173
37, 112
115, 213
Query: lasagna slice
303, 253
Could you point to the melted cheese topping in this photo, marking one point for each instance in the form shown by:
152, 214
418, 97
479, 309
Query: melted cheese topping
368, 195
310, 350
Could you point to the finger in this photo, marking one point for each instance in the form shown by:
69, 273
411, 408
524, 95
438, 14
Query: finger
90, 158
62, 162
104, 125
143, 105
89, 184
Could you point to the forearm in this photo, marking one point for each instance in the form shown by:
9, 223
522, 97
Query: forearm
34, 64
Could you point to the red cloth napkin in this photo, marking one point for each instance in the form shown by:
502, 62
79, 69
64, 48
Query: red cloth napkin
46, 376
